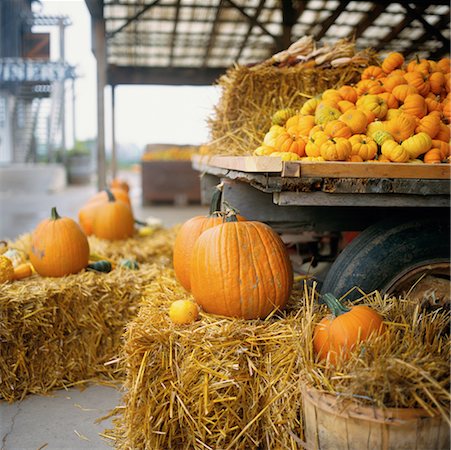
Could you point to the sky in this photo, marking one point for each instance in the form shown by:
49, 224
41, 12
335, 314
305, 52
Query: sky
144, 114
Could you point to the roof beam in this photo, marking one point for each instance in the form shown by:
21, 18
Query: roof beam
326, 24
95, 8
132, 19
290, 16
212, 38
250, 28
175, 76
373, 13
174, 32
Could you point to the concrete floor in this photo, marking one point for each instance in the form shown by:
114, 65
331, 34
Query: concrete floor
65, 420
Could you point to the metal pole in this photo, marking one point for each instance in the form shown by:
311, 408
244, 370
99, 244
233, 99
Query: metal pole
74, 121
63, 94
113, 132
100, 52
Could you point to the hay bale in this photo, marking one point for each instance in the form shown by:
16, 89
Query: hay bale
218, 383
57, 332
251, 95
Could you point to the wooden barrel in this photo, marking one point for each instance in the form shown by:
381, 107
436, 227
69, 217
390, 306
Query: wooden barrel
334, 424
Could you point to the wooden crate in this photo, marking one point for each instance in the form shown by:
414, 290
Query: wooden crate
170, 182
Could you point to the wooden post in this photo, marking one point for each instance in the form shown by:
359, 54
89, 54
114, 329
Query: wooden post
113, 132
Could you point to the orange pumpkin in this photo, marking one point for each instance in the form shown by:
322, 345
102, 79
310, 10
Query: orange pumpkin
429, 124
102, 196
401, 127
113, 220
363, 146
332, 95
355, 119
373, 103
313, 146
372, 73
392, 61
446, 108
444, 65
335, 336
120, 184
433, 156
389, 99
444, 133
417, 145
432, 103
58, 247
337, 149
444, 147
415, 105
403, 90
437, 82
418, 80
287, 142
337, 128
240, 269
394, 152
392, 81
300, 124
348, 93
372, 87
344, 106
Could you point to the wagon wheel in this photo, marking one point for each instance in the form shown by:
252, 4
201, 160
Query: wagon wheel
395, 257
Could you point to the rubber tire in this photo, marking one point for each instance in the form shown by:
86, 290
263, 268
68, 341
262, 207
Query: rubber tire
384, 250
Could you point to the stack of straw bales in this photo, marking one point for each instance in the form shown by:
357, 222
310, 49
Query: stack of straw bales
234, 384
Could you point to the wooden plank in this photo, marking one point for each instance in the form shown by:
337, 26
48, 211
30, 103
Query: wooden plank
359, 200
328, 169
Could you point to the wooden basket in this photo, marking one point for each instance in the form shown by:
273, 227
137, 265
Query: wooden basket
334, 424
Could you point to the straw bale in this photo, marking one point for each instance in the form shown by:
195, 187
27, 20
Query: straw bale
58, 332
249, 96
406, 367
217, 383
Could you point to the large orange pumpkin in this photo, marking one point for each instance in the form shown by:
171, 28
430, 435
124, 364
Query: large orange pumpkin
58, 247
240, 269
335, 336
113, 220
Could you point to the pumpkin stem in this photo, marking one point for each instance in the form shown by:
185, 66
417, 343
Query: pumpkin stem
230, 215
334, 305
215, 204
111, 197
54, 215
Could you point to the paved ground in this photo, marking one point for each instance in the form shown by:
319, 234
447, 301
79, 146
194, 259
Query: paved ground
65, 420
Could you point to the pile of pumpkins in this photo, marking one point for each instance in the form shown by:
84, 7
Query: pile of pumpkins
398, 112
59, 245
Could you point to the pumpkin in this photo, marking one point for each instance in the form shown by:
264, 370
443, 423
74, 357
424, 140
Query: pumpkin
392, 61
282, 115
22, 271
442, 146
433, 156
272, 134
335, 336
183, 312
240, 269
58, 247
392, 81
337, 128
286, 156
419, 65
403, 90
117, 183
309, 107
300, 125
417, 145
345, 105
188, 235
6, 269
401, 128
336, 149
370, 87
373, 103
287, 142
394, 152
374, 126
390, 100
356, 120
372, 73
313, 146
264, 150
363, 146
355, 158
444, 133
331, 95
446, 108
429, 124
444, 65
325, 113
415, 105
348, 93
380, 136
393, 113
102, 196
419, 81
432, 103
437, 81
113, 220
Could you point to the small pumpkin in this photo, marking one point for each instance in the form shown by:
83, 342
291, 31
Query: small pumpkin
443, 146
417, 145
345, 105
113, 220
368, 87
437, 81
325, 113
336, 149
380, 136
403, 90
433, 156
401, 128
356, 120
390, 100
392, 81
313, 146
272, 134
419, 81
58, 247
22, 271
300, 125
286, 156
444, 133
263, 150
6, 269
372, 73
120, 184
309, 107
363, 146
429, 124
394, 152
415, 105
282, 115
337, 128
287, 142
335, 336
348, 93
392, 61
373, 103
240, 269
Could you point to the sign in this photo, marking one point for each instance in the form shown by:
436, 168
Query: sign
22, 70
36, 46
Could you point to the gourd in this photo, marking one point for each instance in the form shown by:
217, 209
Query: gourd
336, 335
300, 124
264, 150
429, 124
272, 134
100, 266
282, 115
415, 105
325, 113
183, 312
338, 149
363, 146
401, 128
373, 103
417, 145
394, 152
188, 235
337, 128
131, 264
113, 220
392, 61
348, 93
240, 269
380, 136
356, 120
58, 247
6, 269
287, 142
286, 156
120, 184
23, 270
309, 107
16, 256
433, 156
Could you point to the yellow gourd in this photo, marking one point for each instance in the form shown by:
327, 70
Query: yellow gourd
338, 149
363, 146
417, 145
6, 269
394, 152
